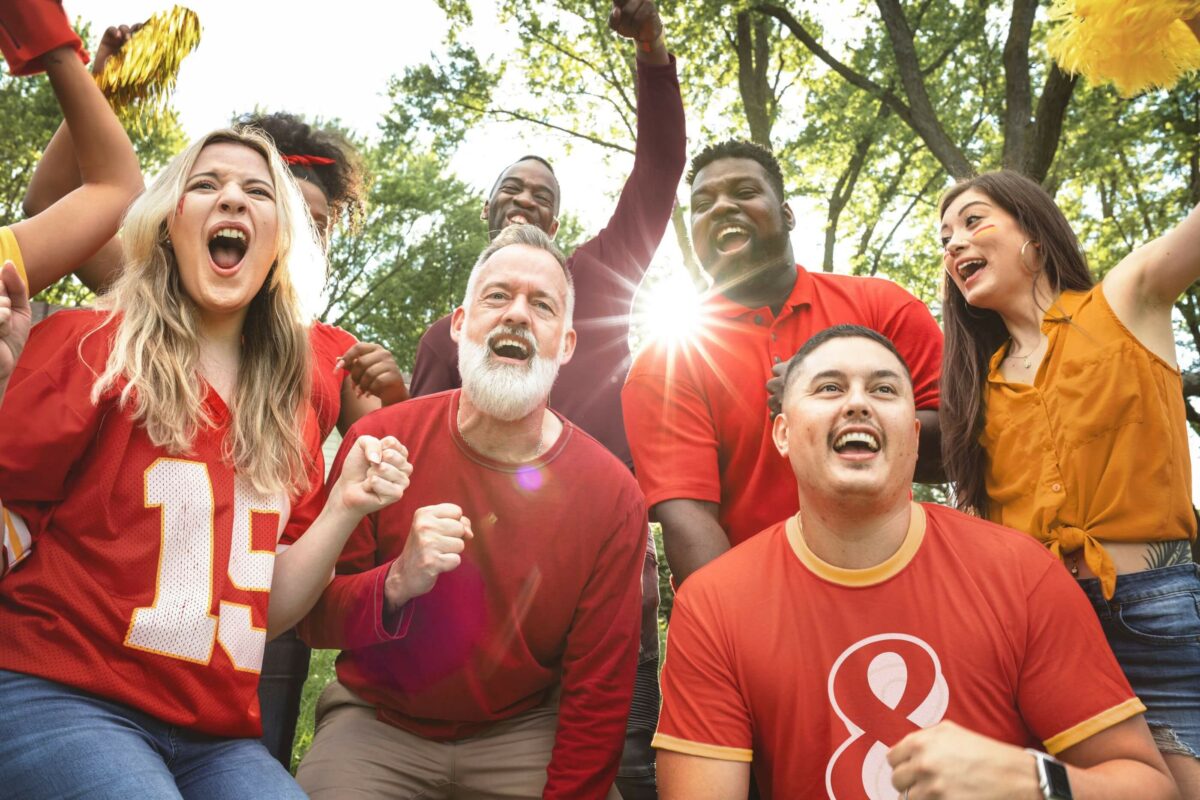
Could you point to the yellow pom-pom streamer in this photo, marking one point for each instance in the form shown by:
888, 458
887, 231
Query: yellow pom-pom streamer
138, 79
1134, 44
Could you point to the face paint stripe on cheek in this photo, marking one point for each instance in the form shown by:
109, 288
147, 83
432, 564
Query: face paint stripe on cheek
988, 229
179, 205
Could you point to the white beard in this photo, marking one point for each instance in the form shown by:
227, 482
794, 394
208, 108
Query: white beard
505, 391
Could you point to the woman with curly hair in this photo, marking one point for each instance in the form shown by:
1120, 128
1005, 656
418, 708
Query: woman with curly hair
352, 378
1063, 416
167, 445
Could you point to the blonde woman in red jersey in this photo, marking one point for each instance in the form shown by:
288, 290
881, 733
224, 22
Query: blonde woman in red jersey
350, 378
165, 445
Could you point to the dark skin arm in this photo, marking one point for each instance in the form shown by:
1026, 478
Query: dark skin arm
692, 536
929, 453
374, 381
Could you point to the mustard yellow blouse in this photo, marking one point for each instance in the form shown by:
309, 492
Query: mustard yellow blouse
1097, 447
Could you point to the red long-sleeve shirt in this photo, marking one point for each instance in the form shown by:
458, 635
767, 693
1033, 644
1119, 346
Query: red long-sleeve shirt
607, 270
548, 592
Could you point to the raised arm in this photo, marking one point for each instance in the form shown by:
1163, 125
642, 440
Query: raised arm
638, 20
57, 173
109, 174
636, 227
1142, 289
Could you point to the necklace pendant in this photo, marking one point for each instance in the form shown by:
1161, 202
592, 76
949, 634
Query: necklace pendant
1026, 360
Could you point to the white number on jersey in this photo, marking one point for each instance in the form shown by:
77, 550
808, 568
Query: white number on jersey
179, 624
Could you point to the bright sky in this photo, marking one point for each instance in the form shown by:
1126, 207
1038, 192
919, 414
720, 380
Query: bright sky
275, 56
334, 61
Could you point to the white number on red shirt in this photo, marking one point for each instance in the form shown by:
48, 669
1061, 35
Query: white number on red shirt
179, 623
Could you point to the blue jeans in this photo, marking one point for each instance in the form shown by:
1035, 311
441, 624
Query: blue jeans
1153, 626
57, 742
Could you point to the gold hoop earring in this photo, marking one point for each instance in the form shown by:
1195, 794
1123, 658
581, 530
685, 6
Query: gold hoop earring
1036, 269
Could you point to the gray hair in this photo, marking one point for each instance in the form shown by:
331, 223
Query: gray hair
530, 236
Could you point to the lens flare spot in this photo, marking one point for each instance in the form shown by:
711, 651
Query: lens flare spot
529, 478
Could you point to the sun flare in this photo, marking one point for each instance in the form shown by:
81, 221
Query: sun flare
671, 309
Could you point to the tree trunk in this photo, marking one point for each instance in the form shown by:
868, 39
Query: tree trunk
753, 46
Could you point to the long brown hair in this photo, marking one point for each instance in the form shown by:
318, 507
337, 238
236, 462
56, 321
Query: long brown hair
974, 334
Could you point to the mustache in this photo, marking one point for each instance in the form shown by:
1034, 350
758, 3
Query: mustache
515, 332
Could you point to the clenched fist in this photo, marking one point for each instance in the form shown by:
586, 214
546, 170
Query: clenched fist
375, 474
636, 19
435, 544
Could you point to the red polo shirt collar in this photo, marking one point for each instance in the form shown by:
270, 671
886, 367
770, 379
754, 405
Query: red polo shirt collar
801, 295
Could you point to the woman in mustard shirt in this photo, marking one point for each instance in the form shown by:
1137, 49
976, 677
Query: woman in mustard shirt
1063, 416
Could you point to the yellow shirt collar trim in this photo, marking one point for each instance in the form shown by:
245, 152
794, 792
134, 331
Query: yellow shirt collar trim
860, 577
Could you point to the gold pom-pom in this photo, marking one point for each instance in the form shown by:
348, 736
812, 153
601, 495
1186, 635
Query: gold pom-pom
1134, 44
142, 74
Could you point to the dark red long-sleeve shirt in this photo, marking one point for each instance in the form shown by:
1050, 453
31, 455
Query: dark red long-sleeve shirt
548, 591
607, 270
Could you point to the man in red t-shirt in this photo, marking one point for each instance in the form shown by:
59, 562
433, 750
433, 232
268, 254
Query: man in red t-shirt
872, 647
695, 407
489, 623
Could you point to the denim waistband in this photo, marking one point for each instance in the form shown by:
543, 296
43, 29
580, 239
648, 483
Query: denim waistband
1141, 585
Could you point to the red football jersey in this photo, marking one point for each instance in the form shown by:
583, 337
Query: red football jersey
814, 672
150, 572
328, 345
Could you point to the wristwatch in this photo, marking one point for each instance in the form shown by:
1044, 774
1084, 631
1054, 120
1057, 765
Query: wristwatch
1052, 777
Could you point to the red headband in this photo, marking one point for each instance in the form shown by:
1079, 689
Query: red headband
307, 161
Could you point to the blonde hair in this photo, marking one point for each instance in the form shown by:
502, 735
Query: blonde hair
156, 345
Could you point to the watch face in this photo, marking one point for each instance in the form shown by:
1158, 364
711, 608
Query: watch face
1056, 779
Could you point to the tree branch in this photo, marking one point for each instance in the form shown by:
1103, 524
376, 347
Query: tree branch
888, 239
848, 74
608, 77
844, 188
1018, 98
924, 119
1048, 124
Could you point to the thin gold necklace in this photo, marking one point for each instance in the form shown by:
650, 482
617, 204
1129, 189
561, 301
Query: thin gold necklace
1023, 358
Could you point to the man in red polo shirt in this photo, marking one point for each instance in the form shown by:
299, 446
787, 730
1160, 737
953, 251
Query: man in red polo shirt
696, 408
869, 646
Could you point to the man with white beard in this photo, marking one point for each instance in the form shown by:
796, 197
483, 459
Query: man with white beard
489, 620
